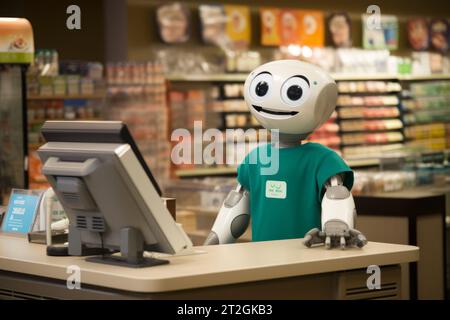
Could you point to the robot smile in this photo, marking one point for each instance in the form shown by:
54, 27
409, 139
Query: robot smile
273, 112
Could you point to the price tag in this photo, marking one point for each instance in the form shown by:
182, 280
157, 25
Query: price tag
22, 209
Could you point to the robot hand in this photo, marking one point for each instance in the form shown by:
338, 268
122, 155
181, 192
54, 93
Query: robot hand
338, 215
346, 238
232, 220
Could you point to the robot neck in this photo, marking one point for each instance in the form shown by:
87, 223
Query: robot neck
289, 140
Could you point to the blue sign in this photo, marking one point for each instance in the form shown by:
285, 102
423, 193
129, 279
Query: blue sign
22, 208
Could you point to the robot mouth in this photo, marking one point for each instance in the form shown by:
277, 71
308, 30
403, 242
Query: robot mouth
278, 113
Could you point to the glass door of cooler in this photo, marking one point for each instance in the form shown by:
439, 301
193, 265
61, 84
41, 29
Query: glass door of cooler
13, 148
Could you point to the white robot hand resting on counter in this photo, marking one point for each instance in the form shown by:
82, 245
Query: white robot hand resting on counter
308, 193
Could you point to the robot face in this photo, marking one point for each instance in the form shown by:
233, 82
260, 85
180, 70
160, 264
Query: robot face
292, 96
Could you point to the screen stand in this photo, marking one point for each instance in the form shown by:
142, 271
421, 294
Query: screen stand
131, 252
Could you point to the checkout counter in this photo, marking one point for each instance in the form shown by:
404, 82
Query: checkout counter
283, 269
114, 204
417, 217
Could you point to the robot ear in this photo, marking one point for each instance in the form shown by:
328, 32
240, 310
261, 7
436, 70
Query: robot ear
326, 103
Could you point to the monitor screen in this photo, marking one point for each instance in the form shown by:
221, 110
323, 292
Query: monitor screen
95, 132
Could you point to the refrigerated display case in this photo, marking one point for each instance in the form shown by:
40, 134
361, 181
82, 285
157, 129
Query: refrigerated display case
16, 54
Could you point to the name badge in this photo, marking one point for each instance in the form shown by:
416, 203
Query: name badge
276, 189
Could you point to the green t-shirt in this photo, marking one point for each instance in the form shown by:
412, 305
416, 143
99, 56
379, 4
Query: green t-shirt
287, 204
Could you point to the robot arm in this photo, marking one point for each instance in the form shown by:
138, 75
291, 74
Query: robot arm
233, 218
338, 215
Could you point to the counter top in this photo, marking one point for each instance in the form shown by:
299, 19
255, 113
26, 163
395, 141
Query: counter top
418, 192
218, 265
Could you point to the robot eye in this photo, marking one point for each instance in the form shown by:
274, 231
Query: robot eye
295, 90
261, 86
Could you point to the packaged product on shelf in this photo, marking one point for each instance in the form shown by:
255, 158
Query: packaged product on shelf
173, 22
418, 34
87, 86
238, 27
234, 105
371, 138
435, 144
73, 85
374, 151
35, 170
384, 36
136, 95
360, 61
59, 86
371, 125
312, 31
290, 27
213, 22
340, 29
71, 109
368, 112
247, 61
95, 71
368, 182
270, 21
368, 86
234, 90
439, 29
45, 86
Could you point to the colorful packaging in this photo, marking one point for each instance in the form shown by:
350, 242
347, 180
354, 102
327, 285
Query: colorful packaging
418, 34
238, 27
439, 30
16, 41
311, 28
289, 27
270, 24
339, 29
173, 22
384, 36
213, 21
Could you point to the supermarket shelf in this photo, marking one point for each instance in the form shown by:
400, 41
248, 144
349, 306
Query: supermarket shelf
231, 171
67, 97
442, 76
232, 77
361, 77
41, 121
240, 77
354, 163
368, 92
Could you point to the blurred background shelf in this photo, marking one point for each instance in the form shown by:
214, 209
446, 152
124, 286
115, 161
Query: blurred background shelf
68, 97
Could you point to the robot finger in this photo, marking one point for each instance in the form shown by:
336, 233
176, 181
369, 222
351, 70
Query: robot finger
357, 238
328, 242
313, 237
361, 241
342, 242
307, 240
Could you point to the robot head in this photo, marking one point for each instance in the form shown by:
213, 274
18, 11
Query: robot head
290, 95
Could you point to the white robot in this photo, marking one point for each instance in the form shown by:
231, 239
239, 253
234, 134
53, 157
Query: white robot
311, 187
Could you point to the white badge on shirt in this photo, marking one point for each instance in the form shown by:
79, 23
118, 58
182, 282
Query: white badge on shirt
276, 189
